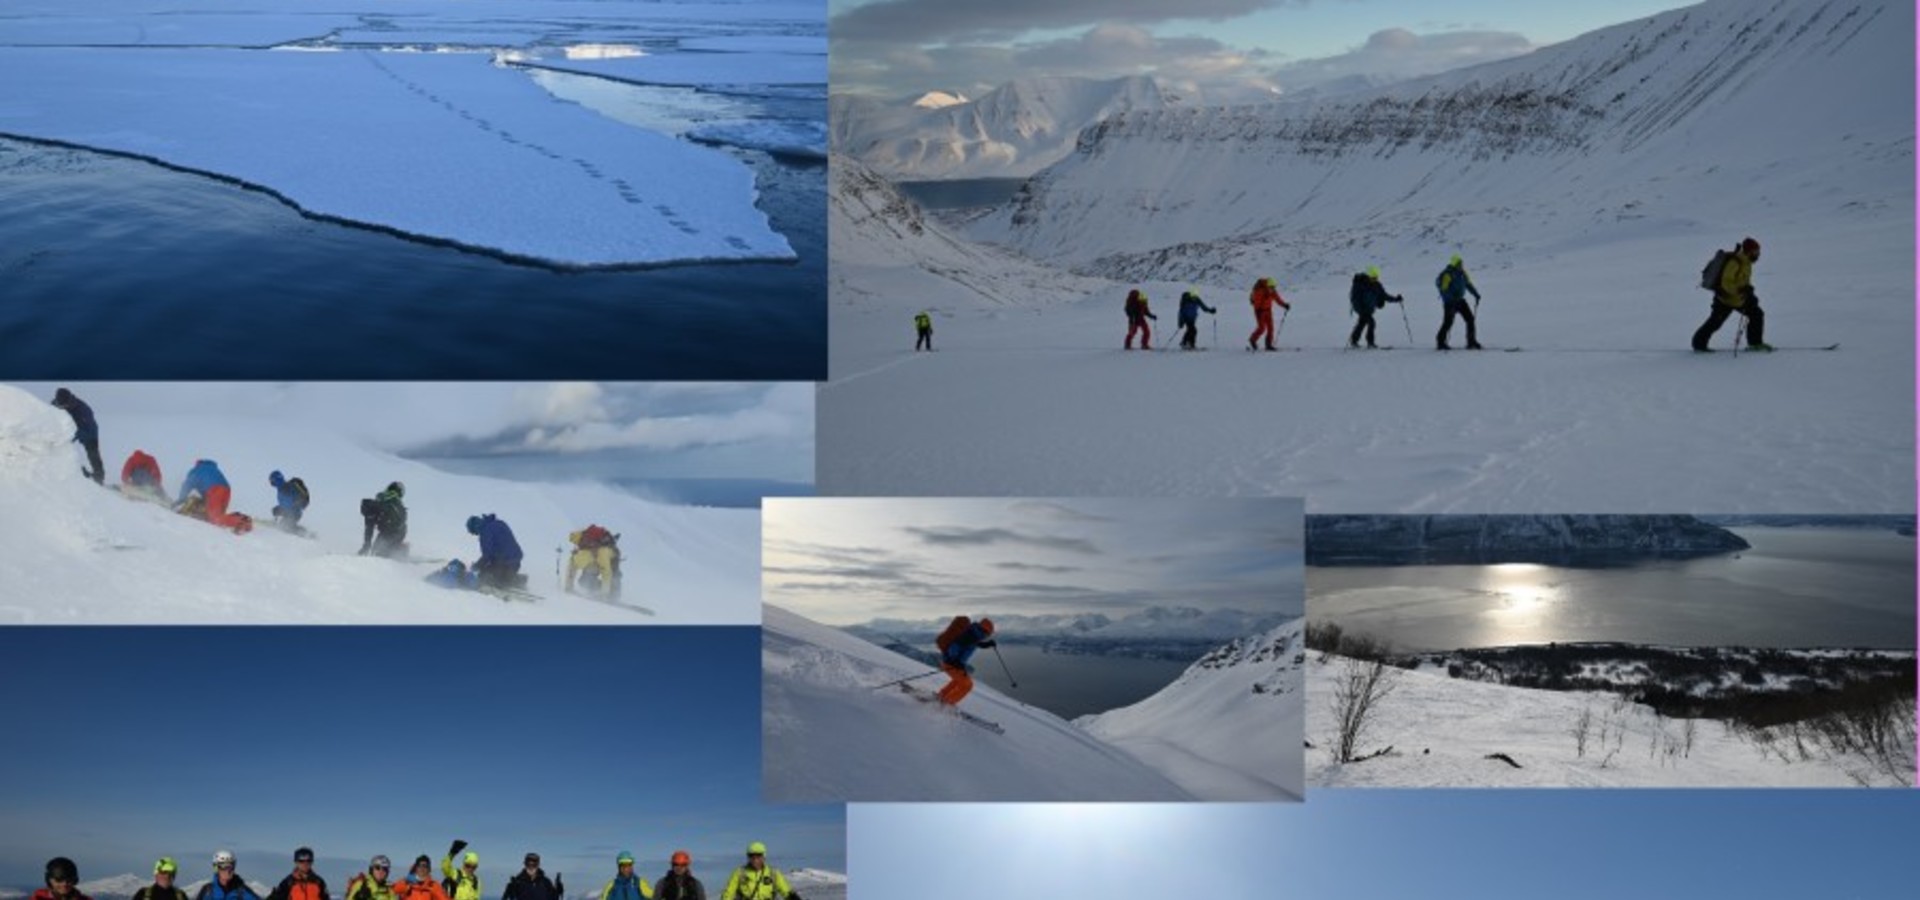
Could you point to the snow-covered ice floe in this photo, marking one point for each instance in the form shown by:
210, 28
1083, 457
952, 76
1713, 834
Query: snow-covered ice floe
806, 140
697, 69
440, 146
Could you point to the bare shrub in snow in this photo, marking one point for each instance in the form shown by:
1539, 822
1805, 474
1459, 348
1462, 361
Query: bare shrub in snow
1360, 686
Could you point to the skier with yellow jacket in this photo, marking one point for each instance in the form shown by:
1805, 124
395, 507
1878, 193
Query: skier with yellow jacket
756, 880
462, 883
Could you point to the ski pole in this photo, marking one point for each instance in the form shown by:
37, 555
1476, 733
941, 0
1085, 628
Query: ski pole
1404, 321
557, 581
1216, 332
1277, 332
1739, 333
906, 679
1003, 665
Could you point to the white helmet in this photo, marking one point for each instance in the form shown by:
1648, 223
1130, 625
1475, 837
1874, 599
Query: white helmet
223, 858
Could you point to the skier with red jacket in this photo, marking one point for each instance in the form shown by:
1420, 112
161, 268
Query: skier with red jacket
1264, 296
63, 879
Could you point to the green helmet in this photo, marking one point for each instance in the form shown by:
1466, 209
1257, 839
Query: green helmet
756, 849
624, 859
1373, 272
1455, 260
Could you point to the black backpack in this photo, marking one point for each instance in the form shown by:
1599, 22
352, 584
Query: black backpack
299, 488
1710, 276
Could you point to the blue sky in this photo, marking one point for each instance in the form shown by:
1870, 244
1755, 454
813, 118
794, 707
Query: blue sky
894, 47
579, 429
851, 560
131, 743
1426, 844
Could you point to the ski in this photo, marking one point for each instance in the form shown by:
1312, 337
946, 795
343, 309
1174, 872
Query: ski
609, 601
959, 713
507, 594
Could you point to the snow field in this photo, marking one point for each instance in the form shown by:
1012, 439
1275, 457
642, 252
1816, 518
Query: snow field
87, 555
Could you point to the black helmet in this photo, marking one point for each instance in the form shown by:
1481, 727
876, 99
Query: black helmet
397, 488
62, 397
62, 869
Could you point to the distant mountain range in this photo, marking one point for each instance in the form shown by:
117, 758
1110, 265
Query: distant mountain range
1463, 540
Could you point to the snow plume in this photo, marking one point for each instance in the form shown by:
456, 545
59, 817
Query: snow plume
89, 555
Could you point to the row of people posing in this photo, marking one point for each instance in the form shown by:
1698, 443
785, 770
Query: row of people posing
754, 880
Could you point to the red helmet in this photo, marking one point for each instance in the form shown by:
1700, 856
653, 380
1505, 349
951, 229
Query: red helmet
986, 625
680, 858
1751, 246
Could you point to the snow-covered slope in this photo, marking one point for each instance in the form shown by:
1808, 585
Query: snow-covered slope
1584, 199
1716, 117
818, 883
72, 552
1229, 728
1013, 130
887, 255
829, 736
1443, 732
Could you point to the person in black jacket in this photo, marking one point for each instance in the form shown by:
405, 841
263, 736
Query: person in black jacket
302, 883
679, 883
85, 430
531, 883
162, 887
1367, 296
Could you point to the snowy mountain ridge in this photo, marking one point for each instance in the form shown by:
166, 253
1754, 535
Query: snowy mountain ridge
1671, 120
1408, 540
1015, 129
1229, 728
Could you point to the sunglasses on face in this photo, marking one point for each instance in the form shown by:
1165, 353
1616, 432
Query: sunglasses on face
382, 868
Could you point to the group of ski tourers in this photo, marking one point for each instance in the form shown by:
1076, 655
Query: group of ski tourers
752, 880
593, 567
1729, 276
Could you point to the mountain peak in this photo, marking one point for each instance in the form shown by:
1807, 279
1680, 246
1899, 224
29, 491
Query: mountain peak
939, 100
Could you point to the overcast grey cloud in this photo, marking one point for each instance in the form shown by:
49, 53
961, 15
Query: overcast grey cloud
948, 535
918, 21
848, 560
1399, 53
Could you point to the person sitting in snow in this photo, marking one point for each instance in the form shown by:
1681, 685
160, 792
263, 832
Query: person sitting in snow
596, 555
206, 485
1137, 315
454, 575
86, 432
386, 522
1367, 296
1190, 307
140, 475
291, 500
955, 651
499, 562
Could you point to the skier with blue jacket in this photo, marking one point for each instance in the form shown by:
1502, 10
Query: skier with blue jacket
1190, 307
499, 562
956, 650
1454, 285
206, 481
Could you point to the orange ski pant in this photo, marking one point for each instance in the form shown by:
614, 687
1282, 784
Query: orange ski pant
217, 498
957, 688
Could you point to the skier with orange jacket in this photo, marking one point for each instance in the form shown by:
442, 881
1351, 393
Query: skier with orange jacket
957, 645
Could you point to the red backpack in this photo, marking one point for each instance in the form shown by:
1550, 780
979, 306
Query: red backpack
955, 629
595, 536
